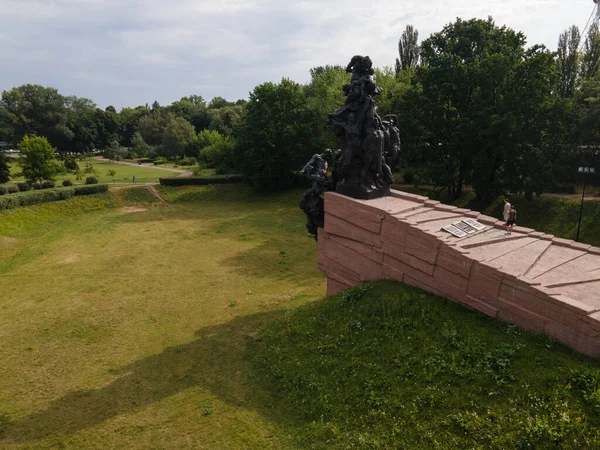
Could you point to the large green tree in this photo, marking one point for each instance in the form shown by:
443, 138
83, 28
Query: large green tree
568, 60
480, 95
409, 52
37, 162
177, 137
277, 136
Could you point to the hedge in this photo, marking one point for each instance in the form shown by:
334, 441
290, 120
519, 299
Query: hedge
186, 181
48, 195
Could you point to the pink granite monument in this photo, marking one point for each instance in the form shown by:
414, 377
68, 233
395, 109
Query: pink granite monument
528, 278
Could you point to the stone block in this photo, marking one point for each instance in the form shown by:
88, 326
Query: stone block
521, 317
333, 269
432, 203
562, 242
581, 246
458, 264
340, 227
483, 284
594, 250
335, 287
417, 263
392, 269
487, 219
473, 214
393, 236
408, 196
353, 211
547, 237
442, 207
444, 276
584, 344
590, 325
355, 262
536, 234
486, 308
418, 283
369, 251
523, 230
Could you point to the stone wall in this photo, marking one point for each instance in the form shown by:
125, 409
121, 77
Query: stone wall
529, 278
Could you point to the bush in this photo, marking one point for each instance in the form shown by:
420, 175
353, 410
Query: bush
12, 189
48, 184
37, 186
71, 164
187, 181
67, 182
160, 160
3, 190
48, 195
91, 180
24, 186
188, 161
408, 176
90, 189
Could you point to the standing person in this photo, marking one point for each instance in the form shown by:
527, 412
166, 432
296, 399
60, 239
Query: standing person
133, 179
512, 219
506, 211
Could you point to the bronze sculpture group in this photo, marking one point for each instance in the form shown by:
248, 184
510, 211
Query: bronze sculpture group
368, 144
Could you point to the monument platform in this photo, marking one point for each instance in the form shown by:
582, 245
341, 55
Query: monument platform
531, 279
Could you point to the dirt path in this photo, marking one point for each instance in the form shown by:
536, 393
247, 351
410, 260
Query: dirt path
182, 173
155, 192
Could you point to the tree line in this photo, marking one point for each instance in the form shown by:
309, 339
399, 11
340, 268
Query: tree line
476, 107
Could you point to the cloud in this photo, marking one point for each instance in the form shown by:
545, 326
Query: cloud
129, 52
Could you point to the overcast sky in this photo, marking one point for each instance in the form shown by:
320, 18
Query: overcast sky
132, 52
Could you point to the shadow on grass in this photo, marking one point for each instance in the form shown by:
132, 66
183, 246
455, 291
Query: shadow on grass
216, 361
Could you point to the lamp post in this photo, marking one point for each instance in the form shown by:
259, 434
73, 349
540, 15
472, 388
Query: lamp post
584, 171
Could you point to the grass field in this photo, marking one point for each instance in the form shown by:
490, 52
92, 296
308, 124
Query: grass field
124, 173
200, 323
130, 329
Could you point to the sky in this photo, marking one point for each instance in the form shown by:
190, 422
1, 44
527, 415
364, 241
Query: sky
132, 52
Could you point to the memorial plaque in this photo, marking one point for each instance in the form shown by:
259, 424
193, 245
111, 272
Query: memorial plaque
455, 231
478, 226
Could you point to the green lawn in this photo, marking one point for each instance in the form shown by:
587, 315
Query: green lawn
130, 329
201, 323
124, 173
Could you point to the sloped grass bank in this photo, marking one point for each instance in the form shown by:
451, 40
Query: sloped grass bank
387, 366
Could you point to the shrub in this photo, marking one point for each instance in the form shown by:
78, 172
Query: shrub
37, 186
48, 195
48, 184
71, 164
3, 190
160, 160
67, 182
91, 180
12, 189
186, 181
408, 176
90, 189
23, 186
188, 161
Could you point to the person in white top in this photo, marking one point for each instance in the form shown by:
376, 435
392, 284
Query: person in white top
506, 212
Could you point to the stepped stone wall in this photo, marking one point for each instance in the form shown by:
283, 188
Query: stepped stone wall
531, 279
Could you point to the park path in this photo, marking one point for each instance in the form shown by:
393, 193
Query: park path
182, 173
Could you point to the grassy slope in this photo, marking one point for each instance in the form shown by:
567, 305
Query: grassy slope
124, 173
387, 366
129, 330
555, 216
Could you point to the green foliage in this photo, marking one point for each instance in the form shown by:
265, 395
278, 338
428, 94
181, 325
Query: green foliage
48, 184
24, 186
191, 181
67, 183
177, 137
91, 180
71, 164
277, 135
4, 169
216, 150
408, 176
383, 365
48, 195
38, 162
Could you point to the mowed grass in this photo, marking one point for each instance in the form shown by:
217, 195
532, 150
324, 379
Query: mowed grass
124, 173
384, 365
129, 328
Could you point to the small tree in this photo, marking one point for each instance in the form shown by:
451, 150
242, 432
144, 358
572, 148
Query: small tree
38, 162
111, 173
4, 170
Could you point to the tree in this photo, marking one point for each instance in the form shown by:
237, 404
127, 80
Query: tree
277, 136
179, 134
152, 126
32, 109
409, 52
4, 169
193, 109
481, 105
568, 60
216, 150
37, 161
591, 53
139, 146
111, 173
